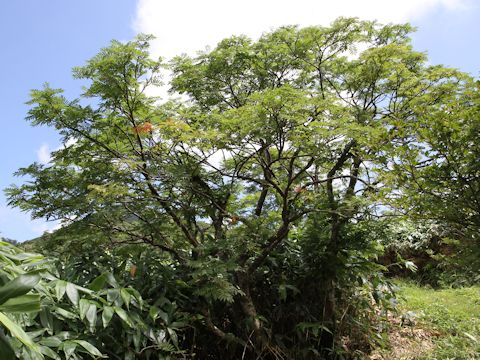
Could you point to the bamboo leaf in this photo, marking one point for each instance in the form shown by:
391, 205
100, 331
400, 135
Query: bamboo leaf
72, 293
89, 347
22, 304
17, 332
107, 315
18, 286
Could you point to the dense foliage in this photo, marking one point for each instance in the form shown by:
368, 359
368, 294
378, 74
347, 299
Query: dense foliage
249, 203
46, 315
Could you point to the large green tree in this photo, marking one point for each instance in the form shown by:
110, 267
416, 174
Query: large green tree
254, 187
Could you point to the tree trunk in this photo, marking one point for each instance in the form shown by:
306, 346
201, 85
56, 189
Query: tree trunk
250, 312
330, 297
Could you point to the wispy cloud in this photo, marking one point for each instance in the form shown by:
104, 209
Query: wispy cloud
43, 154
41, 227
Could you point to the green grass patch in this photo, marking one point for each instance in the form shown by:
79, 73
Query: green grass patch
452, 314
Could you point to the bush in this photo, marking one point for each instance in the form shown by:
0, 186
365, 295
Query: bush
44, 315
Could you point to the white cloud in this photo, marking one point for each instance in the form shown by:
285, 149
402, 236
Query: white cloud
190, 25
43, 154
41, 227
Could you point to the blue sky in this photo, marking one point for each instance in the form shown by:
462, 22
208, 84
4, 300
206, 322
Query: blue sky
42, 40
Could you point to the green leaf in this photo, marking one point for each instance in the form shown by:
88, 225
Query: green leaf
18, 286
126, 297
123, 315
111, 280
91, 316
6, 351
107, 315
153, 312
46, 320
137, 296
22, 304
282, 292
52, 341
113, 295
83, 304
99, 282
17, 332
72, 293
60, 288
164, 316
69, 348
89, 347
36, 333
173, 336
65, 313
49, 352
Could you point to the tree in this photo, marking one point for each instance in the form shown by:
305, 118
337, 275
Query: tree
252, 189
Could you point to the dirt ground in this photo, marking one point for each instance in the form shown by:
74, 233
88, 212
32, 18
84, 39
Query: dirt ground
406, 342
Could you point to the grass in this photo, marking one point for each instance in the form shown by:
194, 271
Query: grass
438, 324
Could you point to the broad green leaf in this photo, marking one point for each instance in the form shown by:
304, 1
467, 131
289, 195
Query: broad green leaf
173, 336
72, 293
123, 315
99, 282
35, 334
137, 296
18, 286
111, 280
113, 295
52, 341
18, 332
107, 315
153, 312
83, 305
91, 315
65, 313
22, 304
69, 348
89, 347
60, 288
25, 257
46, 319
126, 297
164, 316
282, 292
49, 352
